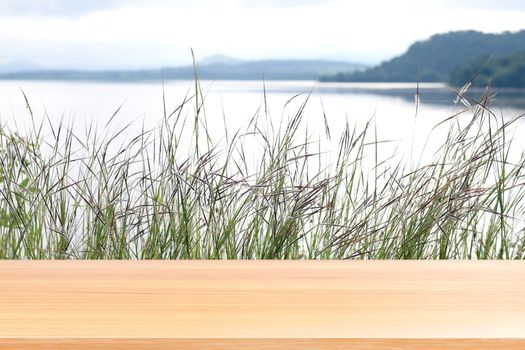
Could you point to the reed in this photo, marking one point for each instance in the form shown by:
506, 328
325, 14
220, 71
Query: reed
175, 192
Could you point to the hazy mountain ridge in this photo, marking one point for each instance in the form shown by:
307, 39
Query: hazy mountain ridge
435, 59
214, 68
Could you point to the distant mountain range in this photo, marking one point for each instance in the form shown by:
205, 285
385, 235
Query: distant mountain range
213, 68
455, 58
442, 57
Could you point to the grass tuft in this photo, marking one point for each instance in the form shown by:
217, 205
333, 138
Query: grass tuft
107, 196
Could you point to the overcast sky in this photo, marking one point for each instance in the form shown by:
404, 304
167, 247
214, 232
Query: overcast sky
149, 33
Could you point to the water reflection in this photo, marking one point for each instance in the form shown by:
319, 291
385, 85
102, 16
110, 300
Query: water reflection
430, 93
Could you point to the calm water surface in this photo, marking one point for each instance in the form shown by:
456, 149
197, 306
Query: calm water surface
234, 103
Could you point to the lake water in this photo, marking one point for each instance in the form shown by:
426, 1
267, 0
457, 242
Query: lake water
234, 103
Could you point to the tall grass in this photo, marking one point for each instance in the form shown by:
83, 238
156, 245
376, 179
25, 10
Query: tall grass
105, 196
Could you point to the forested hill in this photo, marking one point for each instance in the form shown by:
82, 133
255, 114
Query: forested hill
506, 71
437, 57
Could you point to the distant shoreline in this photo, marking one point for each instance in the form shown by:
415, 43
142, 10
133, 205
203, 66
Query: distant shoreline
384, 85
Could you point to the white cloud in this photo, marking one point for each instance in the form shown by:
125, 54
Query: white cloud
74, 7
126, 33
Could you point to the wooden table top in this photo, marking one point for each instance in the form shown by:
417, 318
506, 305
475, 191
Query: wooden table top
262, 304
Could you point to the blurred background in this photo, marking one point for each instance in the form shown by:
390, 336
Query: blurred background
81, 60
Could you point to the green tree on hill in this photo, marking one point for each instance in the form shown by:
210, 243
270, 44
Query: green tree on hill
506, 71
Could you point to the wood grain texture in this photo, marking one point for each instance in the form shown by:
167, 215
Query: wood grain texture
262, 305
262, 344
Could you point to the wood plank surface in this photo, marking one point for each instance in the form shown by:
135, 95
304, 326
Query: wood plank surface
262, 305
